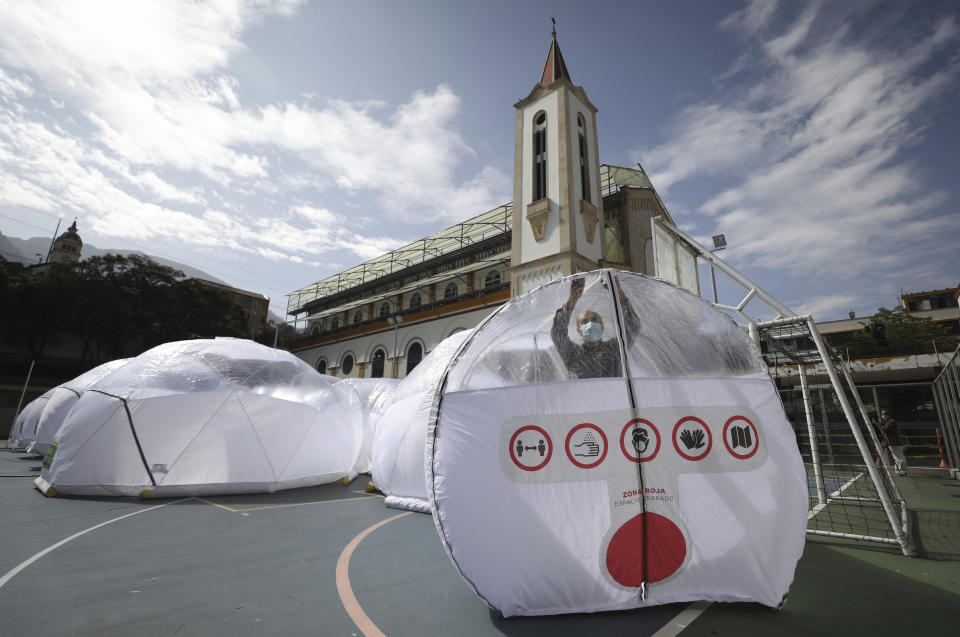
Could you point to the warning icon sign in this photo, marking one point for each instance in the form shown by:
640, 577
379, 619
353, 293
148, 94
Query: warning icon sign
692, 438
586, 445
640, 440
531, 448
740, 437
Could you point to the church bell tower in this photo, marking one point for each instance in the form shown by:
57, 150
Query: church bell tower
557, 208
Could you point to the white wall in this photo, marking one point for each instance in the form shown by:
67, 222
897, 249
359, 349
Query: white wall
531, 249
428, 334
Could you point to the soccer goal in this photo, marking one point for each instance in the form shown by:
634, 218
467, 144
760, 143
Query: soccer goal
849, 473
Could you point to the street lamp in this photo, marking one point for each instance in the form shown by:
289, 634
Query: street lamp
719, 243
395, 321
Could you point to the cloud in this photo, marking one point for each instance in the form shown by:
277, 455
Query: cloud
141, 131
828, 305
812, 147
752, 17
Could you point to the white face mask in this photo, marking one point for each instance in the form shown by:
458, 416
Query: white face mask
592, 331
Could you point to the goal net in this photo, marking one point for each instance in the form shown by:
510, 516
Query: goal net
849, 473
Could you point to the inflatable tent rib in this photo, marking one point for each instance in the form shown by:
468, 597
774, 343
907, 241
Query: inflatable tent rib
611, 444
62, 400
25, 426
204, 417
401, 429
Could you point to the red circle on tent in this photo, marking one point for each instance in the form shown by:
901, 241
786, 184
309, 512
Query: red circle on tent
600, 457
623, 437
665, 553
756, 438
676, 428
546, 439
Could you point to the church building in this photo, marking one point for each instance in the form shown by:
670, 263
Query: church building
569, 214
67, 247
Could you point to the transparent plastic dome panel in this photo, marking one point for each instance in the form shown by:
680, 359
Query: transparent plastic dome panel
516, 347
667, 332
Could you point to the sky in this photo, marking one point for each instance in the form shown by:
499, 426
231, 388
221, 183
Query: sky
274, 143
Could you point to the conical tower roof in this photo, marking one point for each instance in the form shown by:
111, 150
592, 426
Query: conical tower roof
554, 68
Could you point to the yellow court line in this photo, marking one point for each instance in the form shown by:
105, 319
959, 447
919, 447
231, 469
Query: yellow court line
226, 508
350, 603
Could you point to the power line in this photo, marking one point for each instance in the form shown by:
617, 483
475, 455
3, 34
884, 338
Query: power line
25, 223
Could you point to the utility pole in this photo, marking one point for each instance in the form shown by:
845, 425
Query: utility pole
52, 241
395, 321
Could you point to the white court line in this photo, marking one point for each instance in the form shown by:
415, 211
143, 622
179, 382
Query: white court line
22, 565
820, 507
681, 621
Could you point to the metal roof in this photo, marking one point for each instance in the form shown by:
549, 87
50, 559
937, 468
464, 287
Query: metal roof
501, 258
472, 231
449, 240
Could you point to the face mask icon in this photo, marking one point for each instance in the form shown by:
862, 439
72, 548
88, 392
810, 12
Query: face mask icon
641, 440
592, 331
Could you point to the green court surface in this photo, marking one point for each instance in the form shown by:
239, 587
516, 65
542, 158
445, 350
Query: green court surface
845, 587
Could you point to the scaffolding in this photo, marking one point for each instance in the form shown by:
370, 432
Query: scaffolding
473, 231
447, 242
855, 499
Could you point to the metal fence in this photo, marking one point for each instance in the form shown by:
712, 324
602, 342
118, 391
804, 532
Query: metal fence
946, 392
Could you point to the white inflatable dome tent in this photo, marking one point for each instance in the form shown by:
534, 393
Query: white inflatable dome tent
62, 400
28, 420
656, 467
365, 396
400, 434
204, 417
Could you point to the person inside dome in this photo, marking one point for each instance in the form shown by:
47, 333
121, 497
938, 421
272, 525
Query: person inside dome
594, 357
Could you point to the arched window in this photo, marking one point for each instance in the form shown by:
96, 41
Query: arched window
584, 163
334, 323
378, 360
450, 291
358, 317
414, 356
492, 280
415, 301
347, 365
649, 267
322, 366
540, 156
384, 310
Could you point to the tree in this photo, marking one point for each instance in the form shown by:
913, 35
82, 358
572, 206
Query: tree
895, 332
112, 307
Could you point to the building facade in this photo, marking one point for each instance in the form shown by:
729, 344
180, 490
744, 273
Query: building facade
570, 214
253, 304
67, 247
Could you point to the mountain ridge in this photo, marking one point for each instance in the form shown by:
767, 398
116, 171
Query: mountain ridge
40, 245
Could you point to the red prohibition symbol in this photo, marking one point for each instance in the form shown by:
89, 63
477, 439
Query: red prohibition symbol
741, 438
544, 439
692, 442
626, 434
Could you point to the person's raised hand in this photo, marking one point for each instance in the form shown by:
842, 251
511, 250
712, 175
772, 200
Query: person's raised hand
576, 291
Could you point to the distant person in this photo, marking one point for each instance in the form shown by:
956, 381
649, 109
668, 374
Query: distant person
878, 430
594, 357
891, 431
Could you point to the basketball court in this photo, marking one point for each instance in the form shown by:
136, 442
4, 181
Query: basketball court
333, 560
